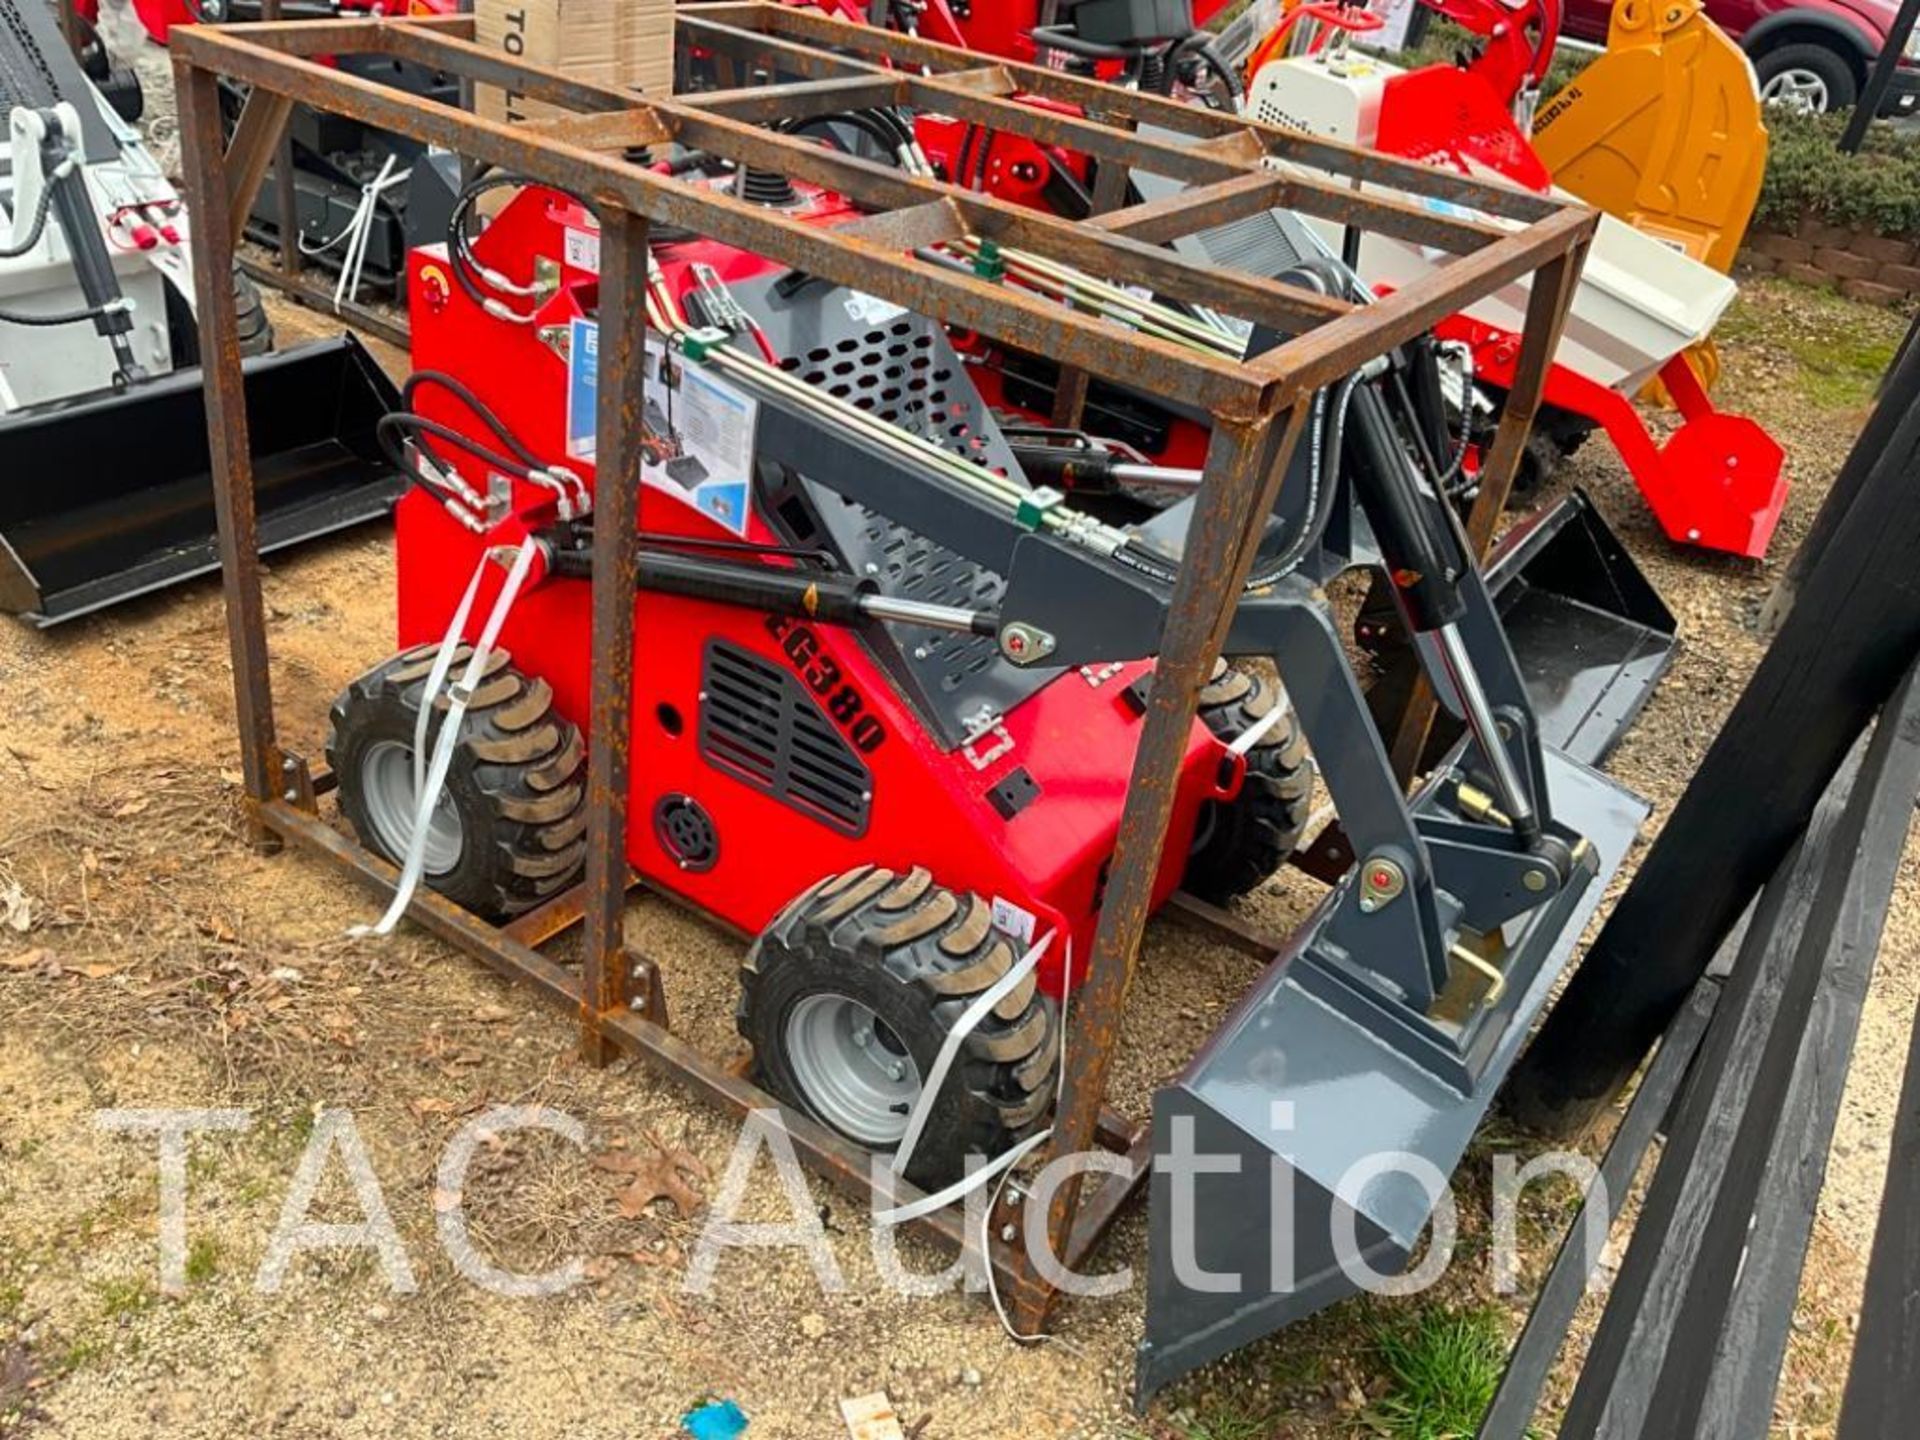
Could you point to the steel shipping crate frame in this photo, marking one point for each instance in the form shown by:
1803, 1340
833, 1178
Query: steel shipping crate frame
1260, 407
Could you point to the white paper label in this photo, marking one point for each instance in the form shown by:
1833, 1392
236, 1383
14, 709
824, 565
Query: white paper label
872, 310
1014, 921
583, 250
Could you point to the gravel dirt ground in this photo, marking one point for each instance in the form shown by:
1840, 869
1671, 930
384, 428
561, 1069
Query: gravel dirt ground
149, 958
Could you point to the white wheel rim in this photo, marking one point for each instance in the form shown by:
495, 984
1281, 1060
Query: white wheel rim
1802, 90
386, 785
852, 1069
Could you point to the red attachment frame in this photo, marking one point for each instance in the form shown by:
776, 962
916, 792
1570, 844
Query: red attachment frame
1717, 482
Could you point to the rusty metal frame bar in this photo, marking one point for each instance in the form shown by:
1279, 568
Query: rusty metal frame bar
1258, 408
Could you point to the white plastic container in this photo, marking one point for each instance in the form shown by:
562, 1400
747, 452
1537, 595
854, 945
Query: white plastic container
1640, 301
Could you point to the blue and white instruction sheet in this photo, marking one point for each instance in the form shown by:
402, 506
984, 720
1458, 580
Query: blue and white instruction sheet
697, 433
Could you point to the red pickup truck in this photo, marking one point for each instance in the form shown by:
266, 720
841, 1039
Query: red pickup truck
1814, 54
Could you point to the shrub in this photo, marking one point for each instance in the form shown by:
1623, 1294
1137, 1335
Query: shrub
1807, 174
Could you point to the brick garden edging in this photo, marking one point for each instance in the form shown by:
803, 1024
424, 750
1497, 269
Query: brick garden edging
1875, 269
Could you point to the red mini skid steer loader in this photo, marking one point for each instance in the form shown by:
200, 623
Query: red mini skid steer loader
887, 696
795, 717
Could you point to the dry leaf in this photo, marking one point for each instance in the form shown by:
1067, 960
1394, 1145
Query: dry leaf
428, 1105
446, 1201
98, 972
492, 1014
671, 1175
27, 960
132, 807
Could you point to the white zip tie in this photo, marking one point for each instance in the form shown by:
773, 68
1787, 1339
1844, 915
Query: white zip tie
950, 1049
358, 233
462, 694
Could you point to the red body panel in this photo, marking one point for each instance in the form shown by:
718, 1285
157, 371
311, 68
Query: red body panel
1443, 116
1076, 737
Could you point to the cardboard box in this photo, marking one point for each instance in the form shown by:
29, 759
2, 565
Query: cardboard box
627, 43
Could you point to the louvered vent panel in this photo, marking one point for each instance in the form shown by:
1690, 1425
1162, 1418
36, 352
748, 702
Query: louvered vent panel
760, 725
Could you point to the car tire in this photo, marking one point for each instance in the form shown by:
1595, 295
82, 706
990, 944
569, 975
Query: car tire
1807, 76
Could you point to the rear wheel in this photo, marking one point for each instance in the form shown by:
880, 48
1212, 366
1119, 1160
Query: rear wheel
849, 996
1806, 77
1240, 842
508, 830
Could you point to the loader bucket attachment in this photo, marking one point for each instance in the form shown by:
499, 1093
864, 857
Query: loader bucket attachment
1591, 635
111, 496
1303, 1145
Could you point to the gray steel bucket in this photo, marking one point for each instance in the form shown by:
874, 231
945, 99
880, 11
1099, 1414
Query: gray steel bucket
1319, 1076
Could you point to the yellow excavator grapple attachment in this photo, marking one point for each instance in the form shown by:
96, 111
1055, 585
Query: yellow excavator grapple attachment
1663, 130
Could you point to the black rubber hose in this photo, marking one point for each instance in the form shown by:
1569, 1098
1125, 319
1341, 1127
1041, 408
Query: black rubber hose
883, 135
1201, 48
466, 397
42, 208
389, 428
48, 322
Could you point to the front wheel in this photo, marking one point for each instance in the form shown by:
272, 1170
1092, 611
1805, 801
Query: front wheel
849, 996
1240, 842
508, 829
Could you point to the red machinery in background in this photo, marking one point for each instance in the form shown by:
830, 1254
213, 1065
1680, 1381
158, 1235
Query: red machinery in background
1717, 482
158, 17
1004, 27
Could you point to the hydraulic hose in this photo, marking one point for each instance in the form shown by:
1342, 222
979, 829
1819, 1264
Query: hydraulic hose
389, 430
36, 227
441, 380
65, 317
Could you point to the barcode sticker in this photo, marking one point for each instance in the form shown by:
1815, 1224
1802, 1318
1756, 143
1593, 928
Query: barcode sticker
583, 250
1016, 922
